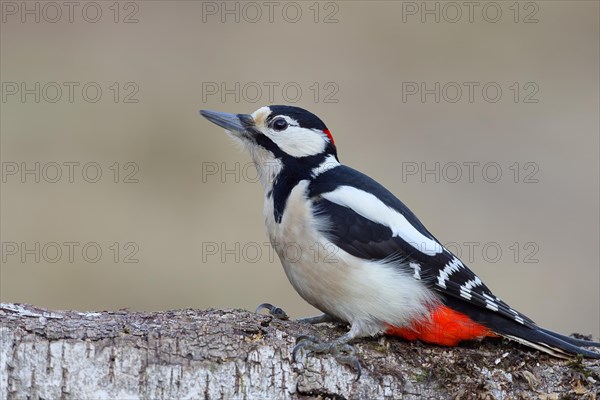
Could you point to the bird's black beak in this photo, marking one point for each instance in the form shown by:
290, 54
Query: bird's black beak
239, 123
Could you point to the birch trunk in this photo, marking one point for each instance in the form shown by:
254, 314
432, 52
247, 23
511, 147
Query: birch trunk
236, 354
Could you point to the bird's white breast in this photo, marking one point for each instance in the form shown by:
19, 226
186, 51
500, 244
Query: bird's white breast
367, 294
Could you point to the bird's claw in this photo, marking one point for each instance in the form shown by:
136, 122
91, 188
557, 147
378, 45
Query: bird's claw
342, 352
274, 311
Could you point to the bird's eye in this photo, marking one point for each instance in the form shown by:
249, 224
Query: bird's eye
280, 124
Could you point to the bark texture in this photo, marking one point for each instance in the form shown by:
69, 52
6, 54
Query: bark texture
236, 354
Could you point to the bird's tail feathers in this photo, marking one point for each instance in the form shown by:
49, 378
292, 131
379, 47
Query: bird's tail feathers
571, 340
550, 342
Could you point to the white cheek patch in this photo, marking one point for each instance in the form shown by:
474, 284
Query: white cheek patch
299, 142
295, 141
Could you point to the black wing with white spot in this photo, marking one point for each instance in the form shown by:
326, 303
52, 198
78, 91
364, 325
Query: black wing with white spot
369, 231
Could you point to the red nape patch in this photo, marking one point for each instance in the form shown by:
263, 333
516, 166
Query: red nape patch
326, 131
446, 327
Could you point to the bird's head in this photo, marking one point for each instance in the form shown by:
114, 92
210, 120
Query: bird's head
279, 137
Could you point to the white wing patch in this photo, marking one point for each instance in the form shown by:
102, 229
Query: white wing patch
417, 268
490, 302
465, 290
370, 207
453, 266
517, 316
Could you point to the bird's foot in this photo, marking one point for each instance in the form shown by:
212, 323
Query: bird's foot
280, 314
343, 352
339, 349
274, 311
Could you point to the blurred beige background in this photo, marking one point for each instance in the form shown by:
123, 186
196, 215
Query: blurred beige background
196, 230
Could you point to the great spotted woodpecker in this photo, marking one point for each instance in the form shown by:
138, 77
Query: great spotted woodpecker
360, 255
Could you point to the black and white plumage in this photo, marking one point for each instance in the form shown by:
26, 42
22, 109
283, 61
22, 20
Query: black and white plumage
379, 267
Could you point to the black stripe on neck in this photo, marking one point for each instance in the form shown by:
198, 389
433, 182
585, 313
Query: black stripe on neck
293, 172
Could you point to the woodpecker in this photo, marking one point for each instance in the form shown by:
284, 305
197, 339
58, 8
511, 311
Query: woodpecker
354, 251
